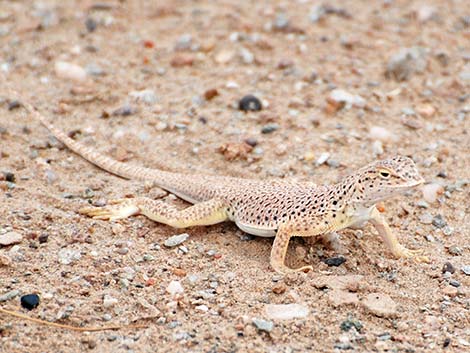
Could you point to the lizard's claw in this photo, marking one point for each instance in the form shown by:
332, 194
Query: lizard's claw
110, 213
414, 254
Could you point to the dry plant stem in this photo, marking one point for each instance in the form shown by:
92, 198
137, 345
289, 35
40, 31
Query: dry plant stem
68, 327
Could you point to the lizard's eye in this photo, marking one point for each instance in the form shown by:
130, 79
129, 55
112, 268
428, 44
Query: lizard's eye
385, 174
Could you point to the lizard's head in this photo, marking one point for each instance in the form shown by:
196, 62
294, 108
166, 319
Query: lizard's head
386, 178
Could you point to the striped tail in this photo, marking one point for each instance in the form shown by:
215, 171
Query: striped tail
110, 165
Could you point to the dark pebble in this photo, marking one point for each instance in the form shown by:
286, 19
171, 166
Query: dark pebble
9, 176
442, 174
30, 301
446, 342
14, 105
91, 24
335, 261
43, 238
448, 267
125, 110
249, 103
348, 324
439, 221
251, 141
267, 129
454, 283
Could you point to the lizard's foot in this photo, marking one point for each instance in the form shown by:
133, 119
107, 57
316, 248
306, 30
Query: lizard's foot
283, 269
416, 255
118, 210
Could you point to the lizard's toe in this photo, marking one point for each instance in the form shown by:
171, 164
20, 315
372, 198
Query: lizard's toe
416, 255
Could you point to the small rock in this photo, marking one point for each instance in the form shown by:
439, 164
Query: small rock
109, 301
184, 42
381, 134
348, 324
263, 325
465, 76
343, 98
267, 129
426, 13
10, 238
439, 221
147, 96
448, 267
281, 22
426, 110
286, 311
335, 261
67, 256
454, 283
14, 104
224, 56
455, 250
125, 110
176, 240
406, 62
202, 308
466, 270
91, 24
235, 150
70, 71
182, 60
347, 282
30, 301
247, 56
210, 93
381, 305
426, 218
322, 159
432, 191
249, 103
9, 295
175, 288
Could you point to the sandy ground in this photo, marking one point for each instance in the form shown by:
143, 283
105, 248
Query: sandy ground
290, 55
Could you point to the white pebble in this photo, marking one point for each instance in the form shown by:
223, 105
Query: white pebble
431, 192
377, 148
109, 301
67, 256
202, 308
341, 96
322, 159
381, 134
146, 96
175, 288
70, 71
10, 238
286, 311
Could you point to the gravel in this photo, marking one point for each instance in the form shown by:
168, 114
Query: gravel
30, 301
263, 325
176, 240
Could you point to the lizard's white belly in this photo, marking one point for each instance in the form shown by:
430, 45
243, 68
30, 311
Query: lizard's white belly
260, 232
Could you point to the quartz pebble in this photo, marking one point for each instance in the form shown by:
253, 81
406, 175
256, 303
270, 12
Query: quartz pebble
10, 238
109, 301
9, 295
286, 311
146, 96
263, 325
406, 62
340, 96
175, 288
432, 191
67, 256
466, 270
70, 71
176, 240
381, 134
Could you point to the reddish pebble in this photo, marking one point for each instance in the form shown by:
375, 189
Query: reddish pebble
217, 256
149, 44
150, 282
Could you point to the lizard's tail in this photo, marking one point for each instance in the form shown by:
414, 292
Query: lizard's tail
123, 170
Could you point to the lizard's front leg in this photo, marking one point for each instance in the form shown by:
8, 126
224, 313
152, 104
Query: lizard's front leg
391, 240
279, 251
204, 213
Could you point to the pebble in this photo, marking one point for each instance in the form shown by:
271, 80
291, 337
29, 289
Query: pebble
70, 71
348, 324
322, 159
286, 311
202, 308
426, 218
249, 103
67, 256
267, 129
10, 238
182, 60
381, 305
406, 62
342, 97
281, 22
438, 221
9, 295
91, 24
146, 96
448, 267
109, 301
466, 270
29, 301
455, 250
175, 288
454, 283
125, 110
184, 42
176, 240
432, 191
224, 56
14, 104
94, 70
338, 297
247, 56
381, 134
263, 325
335, 261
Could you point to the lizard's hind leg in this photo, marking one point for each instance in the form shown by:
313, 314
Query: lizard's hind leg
204, 213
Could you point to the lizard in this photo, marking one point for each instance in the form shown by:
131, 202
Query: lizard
276, 208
